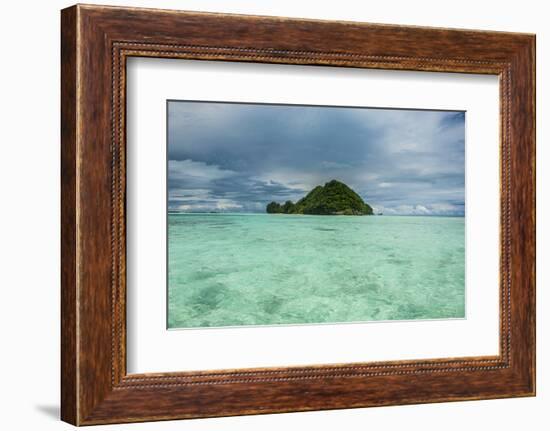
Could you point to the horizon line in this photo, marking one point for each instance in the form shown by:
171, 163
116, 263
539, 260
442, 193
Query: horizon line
320, 215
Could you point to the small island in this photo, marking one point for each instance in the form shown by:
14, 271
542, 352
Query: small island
334, 198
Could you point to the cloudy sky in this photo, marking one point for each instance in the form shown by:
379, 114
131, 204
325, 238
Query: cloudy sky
239, 157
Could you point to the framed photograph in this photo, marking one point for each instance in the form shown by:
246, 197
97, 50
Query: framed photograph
264, 214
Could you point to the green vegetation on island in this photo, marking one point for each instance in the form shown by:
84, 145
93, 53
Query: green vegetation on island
334, 198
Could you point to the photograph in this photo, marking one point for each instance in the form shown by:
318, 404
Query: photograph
281, 214
303, 214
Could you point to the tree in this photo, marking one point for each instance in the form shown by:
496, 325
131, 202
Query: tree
274, 208
288, 207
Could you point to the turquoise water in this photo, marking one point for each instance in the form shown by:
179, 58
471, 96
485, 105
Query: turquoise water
260, 269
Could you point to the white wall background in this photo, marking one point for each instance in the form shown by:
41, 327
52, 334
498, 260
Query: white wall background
29, 215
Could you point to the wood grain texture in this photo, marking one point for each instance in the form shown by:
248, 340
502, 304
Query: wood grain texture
96, 41
69, 366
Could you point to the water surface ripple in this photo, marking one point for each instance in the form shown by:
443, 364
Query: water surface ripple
261, 269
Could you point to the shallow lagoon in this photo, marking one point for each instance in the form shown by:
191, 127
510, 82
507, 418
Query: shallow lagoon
261, 269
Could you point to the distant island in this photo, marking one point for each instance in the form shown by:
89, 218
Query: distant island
334, 198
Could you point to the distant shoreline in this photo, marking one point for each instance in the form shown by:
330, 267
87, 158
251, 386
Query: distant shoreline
310, 215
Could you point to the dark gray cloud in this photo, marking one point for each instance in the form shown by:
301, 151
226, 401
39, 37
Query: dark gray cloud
239, 157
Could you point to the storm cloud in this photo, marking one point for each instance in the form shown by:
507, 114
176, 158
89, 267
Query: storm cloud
239, 157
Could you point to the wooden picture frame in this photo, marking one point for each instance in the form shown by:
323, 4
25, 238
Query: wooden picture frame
95, 43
